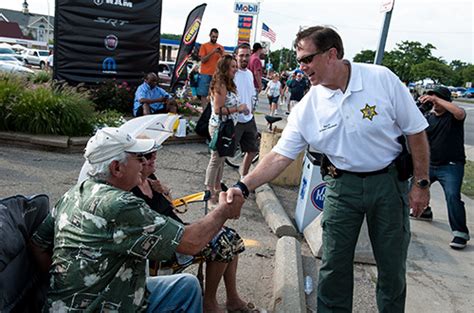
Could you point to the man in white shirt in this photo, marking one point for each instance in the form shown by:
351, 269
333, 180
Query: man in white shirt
246, 128
354, 114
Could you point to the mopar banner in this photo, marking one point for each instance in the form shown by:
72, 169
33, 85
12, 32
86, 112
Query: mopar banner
191, 30
96, 40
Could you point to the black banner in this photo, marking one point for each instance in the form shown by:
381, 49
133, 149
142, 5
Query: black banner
190, 33
96, 40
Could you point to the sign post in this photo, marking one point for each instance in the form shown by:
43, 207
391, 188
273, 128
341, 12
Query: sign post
387, 8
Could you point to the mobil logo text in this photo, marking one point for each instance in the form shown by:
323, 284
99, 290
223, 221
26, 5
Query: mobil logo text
246, 8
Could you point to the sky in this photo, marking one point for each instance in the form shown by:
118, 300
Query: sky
446, 24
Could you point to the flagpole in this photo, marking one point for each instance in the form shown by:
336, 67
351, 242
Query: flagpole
256, 24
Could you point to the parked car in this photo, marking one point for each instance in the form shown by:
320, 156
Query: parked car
15, 69
469, 93
36, 57
10, 60
165, 72
10, 52
460, 91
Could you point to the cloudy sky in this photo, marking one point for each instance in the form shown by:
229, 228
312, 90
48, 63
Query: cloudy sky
446, 24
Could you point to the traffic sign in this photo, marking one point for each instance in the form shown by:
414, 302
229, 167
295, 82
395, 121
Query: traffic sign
387, 6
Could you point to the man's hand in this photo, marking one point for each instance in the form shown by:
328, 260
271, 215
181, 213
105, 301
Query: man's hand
419, 199
232, 209
232, 193
158, 187
242, 108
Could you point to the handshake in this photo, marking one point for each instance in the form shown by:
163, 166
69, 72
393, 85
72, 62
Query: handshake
231, 202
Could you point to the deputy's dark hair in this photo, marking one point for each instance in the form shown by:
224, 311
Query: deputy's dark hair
324, 38
213, 30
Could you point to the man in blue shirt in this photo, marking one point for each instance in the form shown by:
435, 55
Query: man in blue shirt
151, 99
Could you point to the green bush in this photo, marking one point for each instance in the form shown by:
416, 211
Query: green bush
108, 118
111, 95
41, 77
43, 110
12, 87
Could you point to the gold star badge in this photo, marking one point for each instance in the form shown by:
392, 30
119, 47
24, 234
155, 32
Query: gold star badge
368, 112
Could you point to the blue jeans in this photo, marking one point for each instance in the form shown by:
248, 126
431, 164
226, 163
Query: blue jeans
174, 293
203, 85
450, 177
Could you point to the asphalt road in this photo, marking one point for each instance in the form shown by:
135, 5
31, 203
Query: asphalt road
469, 122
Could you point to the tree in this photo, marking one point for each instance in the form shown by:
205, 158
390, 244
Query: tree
365, 56
282, 59
171, 36
407, 54
439, 72
467, 74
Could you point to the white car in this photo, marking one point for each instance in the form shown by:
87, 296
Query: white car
10, 60
36, 57
4, 51
15, 69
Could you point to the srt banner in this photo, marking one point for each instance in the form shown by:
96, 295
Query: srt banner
96, 40
191, 31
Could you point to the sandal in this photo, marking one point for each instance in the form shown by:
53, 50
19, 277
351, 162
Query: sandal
248, 308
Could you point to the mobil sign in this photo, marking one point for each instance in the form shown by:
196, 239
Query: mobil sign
246, 8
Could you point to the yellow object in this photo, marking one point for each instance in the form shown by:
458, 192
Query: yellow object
195, 197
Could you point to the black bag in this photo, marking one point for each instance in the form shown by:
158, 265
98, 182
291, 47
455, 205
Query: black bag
404, 162
202, 125
226, 136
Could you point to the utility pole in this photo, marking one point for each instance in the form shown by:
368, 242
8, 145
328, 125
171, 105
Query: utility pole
387, 7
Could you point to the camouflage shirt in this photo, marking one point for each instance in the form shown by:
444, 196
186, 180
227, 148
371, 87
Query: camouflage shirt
101, 237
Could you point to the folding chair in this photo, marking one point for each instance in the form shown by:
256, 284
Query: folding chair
22, 287
173, 267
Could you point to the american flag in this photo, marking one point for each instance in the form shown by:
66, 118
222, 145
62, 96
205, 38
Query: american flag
269, 33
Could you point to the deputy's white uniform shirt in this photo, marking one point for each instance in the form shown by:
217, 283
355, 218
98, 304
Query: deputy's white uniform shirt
246, 90
357, 130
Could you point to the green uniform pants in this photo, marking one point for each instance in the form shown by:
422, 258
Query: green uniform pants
382, 199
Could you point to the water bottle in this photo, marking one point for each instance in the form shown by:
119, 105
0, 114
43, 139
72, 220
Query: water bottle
308, 285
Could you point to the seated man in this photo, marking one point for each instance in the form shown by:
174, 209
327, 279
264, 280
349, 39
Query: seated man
151, 99
102, 235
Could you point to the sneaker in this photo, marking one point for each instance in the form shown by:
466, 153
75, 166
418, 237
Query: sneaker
287, 113
458, 243
427, 215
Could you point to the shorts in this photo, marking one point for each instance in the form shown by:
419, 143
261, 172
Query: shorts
194, 91
246, 136
273, 99
203, 85
139, 111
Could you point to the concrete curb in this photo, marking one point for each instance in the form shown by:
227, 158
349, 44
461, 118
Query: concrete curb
273, 212
288, 293
67, 144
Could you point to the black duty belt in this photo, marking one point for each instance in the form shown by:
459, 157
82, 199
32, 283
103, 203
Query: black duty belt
327, 168
364, 174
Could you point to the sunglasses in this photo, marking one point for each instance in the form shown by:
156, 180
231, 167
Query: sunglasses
309, 58
138, 156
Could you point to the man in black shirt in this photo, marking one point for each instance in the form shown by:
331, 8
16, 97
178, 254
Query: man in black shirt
297, 86
446, 137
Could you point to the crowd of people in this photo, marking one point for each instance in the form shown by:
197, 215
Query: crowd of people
97, 238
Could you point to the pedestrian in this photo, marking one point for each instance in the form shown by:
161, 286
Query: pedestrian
274, 92
298, 86
255, 65
446, 137
246, 129
354, 114
210, 53
193, 79
225, 103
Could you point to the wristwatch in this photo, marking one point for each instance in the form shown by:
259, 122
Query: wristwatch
422, 183
243, 187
